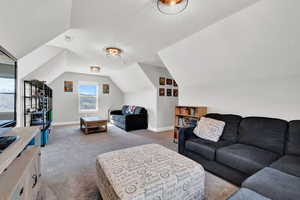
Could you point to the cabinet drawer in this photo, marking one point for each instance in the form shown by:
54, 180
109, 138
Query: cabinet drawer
21, 179
33, 177
20, 192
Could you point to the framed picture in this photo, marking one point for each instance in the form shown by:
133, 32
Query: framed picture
169, 81
162, 81
105, 88
169, 92
174, 83
161, 92
175, 92
68, 86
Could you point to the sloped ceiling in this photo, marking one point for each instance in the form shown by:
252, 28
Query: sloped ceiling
52, 69
135, 26
132, 79
37, 59
260, 42
27, 25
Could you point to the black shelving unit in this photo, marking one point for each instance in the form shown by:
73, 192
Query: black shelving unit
38, 107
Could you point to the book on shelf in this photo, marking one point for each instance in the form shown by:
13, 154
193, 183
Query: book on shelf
183, 122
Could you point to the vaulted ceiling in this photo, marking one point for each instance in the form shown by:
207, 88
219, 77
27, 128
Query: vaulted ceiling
260, 43
136, 27
33, 29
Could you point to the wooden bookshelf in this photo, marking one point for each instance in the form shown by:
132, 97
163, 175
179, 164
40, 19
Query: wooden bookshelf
184, 115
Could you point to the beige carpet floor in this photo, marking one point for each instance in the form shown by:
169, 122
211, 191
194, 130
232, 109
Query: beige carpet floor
68, 161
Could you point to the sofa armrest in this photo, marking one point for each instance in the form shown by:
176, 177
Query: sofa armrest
184, 135
116, 112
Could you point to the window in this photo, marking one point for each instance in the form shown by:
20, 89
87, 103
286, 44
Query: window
88, 97
7, 94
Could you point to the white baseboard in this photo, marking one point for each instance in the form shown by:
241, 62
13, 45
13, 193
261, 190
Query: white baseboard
65, 123
161, 129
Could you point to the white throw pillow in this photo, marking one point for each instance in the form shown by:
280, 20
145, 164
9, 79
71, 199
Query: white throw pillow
209, 129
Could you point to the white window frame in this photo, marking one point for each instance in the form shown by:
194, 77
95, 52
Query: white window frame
97, 96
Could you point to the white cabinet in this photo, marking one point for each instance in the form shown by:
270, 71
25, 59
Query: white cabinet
21, 180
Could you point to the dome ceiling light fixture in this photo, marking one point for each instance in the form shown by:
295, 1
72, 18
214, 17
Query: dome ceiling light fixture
95, 69
172, 7
113, 51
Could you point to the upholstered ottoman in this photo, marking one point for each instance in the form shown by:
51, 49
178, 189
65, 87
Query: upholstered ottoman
149, 172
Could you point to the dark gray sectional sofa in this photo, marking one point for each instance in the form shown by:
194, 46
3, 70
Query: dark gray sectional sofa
260, 154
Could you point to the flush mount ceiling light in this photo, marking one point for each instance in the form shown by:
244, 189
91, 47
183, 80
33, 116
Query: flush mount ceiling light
95, 69
172, 7
113, 51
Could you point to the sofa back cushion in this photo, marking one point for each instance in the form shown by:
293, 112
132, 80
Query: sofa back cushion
293, 142
137, 110
232, 122
125, 110
140, 110
265, 133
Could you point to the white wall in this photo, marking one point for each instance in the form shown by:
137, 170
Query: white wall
160, 109
165, 105
146, 99
66, 105
267, 97
246, 64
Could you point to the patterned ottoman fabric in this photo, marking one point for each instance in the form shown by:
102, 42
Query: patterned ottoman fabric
149, 172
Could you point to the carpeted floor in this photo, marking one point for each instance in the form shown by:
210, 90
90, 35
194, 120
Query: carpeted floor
68, 161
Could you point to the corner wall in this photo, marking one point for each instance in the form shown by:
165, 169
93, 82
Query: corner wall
160, 109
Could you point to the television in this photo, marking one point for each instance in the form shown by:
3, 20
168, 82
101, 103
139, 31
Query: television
8, 89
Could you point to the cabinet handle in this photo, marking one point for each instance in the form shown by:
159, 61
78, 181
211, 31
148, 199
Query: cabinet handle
34, 177
21, 191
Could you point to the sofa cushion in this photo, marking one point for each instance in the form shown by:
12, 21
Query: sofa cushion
293, 145
205, 148
288, 164
245, 158
274, 184
118, 118
246, 194
232, 123
140, 110
266, 133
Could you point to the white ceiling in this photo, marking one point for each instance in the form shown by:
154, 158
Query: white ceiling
27, 25
135, 26
37, 59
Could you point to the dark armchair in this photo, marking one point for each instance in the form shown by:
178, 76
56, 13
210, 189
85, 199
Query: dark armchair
129, 121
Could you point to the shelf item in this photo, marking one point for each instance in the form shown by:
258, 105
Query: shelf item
38, 107
187, 116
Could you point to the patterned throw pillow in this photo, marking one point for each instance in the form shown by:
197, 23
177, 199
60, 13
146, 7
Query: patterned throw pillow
131, 109
209, 129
